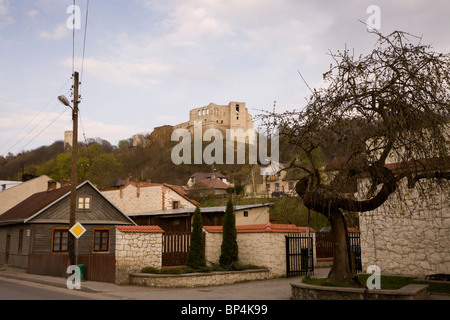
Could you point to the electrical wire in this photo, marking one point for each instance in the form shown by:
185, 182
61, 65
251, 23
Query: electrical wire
38, 134
73, 38
34, 119
53, 97
84, 41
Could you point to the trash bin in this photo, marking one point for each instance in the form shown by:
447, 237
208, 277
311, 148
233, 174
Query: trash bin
82, 271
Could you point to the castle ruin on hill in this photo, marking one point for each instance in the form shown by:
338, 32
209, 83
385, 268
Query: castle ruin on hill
222, 117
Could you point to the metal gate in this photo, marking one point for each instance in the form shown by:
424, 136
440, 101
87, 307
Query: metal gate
175, 248
299, 255
355, 245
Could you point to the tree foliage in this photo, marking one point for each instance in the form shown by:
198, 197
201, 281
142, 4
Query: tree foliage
387, 113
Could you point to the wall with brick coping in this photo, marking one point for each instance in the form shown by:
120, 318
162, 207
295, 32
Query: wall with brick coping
408, 235
262, 248
137, 247
261, 245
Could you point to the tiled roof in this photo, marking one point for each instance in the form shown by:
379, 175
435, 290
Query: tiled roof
148, 229
33, 204
206, 175
212, 183
268, 227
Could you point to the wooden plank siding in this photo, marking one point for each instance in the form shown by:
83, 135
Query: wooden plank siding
36, 252
97, 267
101, 211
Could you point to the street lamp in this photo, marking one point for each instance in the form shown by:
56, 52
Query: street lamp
73, 184
64, 101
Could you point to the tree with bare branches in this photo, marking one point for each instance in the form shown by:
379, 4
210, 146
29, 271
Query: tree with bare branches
390, 106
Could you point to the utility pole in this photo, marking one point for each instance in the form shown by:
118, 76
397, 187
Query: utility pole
73, 195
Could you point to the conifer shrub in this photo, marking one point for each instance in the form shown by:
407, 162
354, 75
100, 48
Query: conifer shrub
229, 248
196, 254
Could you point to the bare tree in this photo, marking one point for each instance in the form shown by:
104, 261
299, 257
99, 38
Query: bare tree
390, 106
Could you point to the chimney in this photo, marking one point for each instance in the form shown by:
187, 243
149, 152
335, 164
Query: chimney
64, 182
51, 185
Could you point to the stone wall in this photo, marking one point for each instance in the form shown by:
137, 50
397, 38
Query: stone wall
302, 291
409, 234
197, 279
137, 247
261, 245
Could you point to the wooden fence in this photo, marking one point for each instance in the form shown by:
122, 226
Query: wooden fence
96, 267
175, 248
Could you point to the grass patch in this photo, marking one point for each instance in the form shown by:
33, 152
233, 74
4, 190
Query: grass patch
212, 268
387, 282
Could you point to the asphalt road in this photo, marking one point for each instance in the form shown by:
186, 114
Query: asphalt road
20, 290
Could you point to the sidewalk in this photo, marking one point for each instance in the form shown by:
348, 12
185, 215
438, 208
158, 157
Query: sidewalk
271, 289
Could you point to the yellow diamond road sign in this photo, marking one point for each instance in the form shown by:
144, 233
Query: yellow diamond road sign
77, 230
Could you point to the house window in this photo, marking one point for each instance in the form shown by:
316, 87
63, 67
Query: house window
277, 187
175, 204
101, 240
268, 187
60, 240
245, 213
84, 203
19, 250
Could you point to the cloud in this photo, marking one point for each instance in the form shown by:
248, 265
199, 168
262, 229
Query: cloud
58, 33
192, 23
32, 13
137, 73
26, 129
5, 18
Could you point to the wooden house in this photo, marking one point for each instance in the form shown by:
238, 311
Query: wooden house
34, 233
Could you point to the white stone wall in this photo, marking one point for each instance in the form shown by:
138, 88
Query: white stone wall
264, 249
135, 250
408, 235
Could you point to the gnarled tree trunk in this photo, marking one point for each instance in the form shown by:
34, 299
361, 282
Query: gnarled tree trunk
343, 269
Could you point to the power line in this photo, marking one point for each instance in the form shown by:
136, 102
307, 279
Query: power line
37, 135
84, 41
33, 119
73, 37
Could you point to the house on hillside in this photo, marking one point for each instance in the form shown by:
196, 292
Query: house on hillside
181, 219
34, 233
270, 182
135, 197
201, 176
16, 194
208, 187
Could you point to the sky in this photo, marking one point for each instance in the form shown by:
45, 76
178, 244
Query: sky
146, 63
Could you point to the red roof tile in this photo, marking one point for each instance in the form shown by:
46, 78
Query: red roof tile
33, 204
268, 227
148, 229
